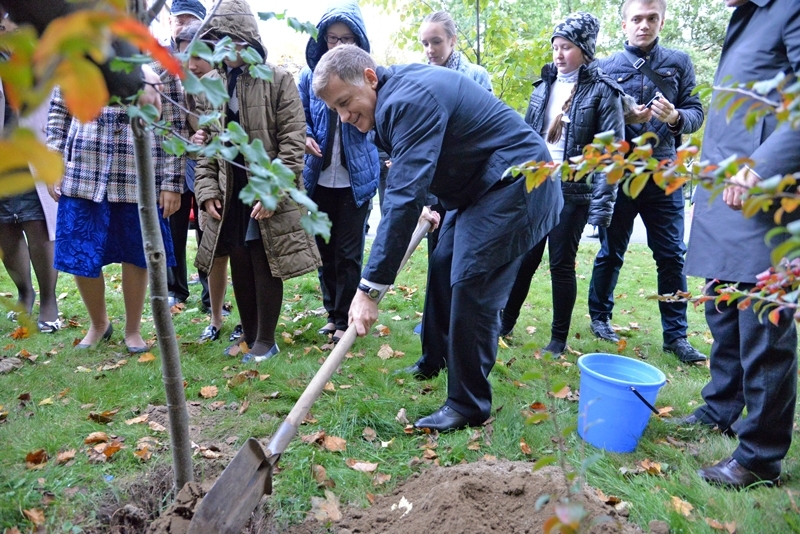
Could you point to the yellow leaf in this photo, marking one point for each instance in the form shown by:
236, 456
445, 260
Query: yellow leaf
143, 454
381, 478
146, 357
334, 444
96, 437
208, 392
48, 400
35, 516
327, 509
65, 456
136, 420
156, 427
385, 352
74, 77
358, 465
681, 506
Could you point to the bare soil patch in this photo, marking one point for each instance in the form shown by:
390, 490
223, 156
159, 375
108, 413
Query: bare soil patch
487, 496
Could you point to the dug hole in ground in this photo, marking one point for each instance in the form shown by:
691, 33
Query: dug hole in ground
486, 496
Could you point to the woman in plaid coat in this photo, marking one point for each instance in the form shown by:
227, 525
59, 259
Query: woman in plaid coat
98, 219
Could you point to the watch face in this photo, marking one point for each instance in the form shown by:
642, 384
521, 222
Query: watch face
374, 294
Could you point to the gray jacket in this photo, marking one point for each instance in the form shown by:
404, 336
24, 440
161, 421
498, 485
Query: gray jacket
763, 39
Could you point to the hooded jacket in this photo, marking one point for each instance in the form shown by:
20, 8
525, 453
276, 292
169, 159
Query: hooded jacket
360, 154
271, 112
596, 107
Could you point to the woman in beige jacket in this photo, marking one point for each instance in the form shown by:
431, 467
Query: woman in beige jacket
265, 247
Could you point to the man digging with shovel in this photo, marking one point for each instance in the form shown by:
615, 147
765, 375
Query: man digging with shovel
448, 136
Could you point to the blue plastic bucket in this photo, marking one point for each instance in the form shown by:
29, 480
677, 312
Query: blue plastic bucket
610, 415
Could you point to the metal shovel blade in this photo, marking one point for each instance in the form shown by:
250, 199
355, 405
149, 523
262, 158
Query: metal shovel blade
227, 506
243, 483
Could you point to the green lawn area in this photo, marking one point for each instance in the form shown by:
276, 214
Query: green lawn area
66, 385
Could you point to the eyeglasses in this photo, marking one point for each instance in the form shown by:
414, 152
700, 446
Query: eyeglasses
346, 39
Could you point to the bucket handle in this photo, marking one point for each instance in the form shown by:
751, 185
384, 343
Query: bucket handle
652, 408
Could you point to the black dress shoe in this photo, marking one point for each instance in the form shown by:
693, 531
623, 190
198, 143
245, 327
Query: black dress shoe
444, 419
417, 372
730, 474
684, 351
602, 328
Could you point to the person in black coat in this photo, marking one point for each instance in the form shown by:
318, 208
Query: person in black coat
645, 69
449, 137
572, 103
753, 362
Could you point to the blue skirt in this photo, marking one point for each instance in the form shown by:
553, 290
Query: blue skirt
90, 235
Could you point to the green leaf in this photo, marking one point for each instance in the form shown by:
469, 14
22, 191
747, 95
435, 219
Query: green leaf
569, 429
537, 418
637, 185
250, 56
531, 375
173, 145
212, 88
149, 114
317, 224
235, 133
544, 461
212, 119
202, 50
302, 27
262, 72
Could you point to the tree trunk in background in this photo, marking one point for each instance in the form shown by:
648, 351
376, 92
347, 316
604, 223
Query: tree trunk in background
162, 318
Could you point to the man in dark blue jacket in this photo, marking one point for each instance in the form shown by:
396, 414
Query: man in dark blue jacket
753, 362
646, 69
447, 136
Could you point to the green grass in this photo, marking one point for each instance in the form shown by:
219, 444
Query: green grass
81, 489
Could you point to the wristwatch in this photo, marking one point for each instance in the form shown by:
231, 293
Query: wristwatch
372, 293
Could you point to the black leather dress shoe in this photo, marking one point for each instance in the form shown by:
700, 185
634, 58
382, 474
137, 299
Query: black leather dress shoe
417, 372
730, 474
444, 419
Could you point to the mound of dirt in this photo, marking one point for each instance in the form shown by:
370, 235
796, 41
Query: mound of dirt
488, 496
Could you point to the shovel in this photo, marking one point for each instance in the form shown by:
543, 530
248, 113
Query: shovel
227, 506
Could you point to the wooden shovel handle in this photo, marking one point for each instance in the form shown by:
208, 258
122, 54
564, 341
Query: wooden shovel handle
288, 428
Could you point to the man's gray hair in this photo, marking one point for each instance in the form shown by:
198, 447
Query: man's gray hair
348, 62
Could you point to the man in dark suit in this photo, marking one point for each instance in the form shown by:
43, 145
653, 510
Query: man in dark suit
447, 136
753, 362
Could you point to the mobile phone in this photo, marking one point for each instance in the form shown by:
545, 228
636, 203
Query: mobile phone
656, 97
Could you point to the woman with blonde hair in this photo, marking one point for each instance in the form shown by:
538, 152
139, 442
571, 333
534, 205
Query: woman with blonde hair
573, 101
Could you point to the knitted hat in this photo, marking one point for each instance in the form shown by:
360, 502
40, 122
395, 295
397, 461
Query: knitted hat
580, 29
188, 7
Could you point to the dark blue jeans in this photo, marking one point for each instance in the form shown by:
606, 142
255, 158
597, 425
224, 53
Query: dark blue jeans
663, 218
562, 244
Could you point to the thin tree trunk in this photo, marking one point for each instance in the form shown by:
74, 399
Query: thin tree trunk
162, 318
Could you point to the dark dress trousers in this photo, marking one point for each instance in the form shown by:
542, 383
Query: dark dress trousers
753, 362
449, 137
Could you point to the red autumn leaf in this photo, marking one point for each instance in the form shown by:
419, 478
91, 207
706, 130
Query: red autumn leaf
36, 459
140, 36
